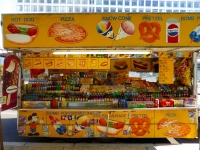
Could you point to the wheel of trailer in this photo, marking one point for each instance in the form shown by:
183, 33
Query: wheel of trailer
105, 140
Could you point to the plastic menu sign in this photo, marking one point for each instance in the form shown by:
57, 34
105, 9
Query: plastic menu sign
93, 63
166, 70
104, 63
82, 63
49, 63
60, 63
38, 63
70, 63
27, 63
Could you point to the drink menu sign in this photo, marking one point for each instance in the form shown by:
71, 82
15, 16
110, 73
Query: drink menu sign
104, 30
166, 70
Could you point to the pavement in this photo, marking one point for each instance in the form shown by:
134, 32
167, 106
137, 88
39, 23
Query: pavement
96, 146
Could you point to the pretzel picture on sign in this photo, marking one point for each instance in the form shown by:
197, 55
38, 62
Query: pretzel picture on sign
140, 126
149, 31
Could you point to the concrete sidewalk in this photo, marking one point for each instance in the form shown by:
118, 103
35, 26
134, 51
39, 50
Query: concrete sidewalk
96, 146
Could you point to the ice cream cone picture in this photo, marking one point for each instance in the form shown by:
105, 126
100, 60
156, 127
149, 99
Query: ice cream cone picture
57, 125
81, 123
105, 28
126, 29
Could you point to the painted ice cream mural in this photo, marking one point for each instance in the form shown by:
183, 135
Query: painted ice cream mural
82, 123
57, 125
195, 35
126, 29
105, 28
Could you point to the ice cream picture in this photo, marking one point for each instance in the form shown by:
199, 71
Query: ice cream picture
11, 81
105, 28
57, 125
195, 35
126, 29
81, 123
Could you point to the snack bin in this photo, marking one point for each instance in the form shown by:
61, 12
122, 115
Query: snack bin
72, 101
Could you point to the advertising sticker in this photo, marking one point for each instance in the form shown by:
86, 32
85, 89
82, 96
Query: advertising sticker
11, 74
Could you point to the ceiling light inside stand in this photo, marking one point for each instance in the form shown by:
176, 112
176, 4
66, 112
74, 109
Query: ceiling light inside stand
102, 52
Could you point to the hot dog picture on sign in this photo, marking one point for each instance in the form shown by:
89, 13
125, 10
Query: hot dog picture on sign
21, 33
11, 74
141, 64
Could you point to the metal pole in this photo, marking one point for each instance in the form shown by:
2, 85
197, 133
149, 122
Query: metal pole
194, 90
1, 134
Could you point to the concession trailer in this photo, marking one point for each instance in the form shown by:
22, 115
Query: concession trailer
102, 75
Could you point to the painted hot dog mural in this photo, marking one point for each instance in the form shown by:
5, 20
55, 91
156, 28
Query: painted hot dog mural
111, 127
21, 33
136, 126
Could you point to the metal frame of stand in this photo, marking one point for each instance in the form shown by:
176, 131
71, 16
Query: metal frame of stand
1, 134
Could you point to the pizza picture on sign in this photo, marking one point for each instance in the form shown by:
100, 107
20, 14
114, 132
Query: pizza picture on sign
67, 33
174, 128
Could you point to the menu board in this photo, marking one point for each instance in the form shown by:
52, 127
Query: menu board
120, 65
166, 70
60, 63
82, 63
104, 63
70, 63
93, 63
49, 63
38, 63
27, 63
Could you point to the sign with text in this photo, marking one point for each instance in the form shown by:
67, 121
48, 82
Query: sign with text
166, 70
104, 30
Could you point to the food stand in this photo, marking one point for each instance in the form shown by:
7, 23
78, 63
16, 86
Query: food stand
79, 50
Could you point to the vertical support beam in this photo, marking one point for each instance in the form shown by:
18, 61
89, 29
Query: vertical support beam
1, 134
194, 88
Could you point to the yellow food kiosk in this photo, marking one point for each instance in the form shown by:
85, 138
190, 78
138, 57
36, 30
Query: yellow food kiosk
80, 51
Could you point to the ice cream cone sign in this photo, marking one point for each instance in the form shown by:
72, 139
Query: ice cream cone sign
126, 29
105, 28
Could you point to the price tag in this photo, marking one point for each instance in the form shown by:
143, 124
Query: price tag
166, 70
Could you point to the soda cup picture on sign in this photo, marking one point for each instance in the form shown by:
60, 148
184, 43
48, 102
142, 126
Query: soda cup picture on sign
172, 30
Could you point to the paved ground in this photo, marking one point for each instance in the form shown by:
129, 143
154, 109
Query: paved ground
94, 146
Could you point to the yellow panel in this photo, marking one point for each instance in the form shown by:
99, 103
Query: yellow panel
27, 63
38, 63
71, 63
175, 123
93, 63
142, 123
49, 63
104, 63
104, 30
60, 63
82, 63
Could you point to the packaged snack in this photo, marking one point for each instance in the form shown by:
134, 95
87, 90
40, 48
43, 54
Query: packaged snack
190, 102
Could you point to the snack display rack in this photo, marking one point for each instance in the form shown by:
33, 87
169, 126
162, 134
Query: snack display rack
72, 99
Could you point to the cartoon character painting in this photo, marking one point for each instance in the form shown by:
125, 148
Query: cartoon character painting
33, 122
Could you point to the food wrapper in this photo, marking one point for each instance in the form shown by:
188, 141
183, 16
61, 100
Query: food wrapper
181, 67
183, 71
